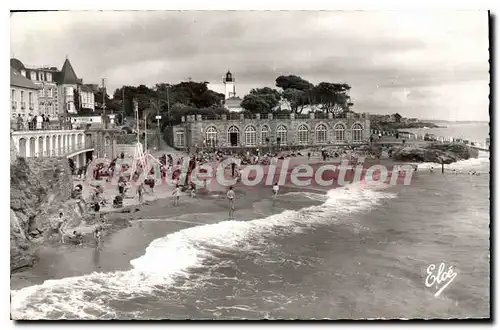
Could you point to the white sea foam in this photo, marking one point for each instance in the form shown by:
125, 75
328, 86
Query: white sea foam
480, 164
167, 258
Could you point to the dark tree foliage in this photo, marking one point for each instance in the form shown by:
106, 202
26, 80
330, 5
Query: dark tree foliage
293, 82
332, 97
261, 100
397, 117
152, 101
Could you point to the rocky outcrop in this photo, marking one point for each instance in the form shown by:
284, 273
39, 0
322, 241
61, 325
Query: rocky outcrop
435, 153
39, 190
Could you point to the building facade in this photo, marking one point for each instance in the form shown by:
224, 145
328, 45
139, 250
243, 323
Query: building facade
44, 78
266, 130
23, 96
87, 97
58, 89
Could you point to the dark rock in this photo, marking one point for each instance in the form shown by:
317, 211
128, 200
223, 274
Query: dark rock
435, 153
36, 197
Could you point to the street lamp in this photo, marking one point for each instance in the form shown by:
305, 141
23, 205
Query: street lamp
158, 117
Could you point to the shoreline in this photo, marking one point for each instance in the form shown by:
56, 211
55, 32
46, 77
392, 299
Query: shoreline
120, 242
130, 233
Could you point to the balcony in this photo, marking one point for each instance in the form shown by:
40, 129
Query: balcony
23, 105
14, 104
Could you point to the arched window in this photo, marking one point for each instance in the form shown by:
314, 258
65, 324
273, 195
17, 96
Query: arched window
32, 146
54, 146
357, 133
40, 147
250, 136
22, 147
339, 130
321, 133
303, 134
264, 134
59, 145
211, 136
233, 136
47, 145
281, 134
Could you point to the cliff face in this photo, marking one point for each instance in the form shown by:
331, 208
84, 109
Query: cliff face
436, 153
39, 189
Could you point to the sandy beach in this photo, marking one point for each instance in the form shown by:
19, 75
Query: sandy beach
132, 229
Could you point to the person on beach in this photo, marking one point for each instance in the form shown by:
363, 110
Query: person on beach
233, 167
230, 197
60, 226
78, 237
177, 195
97, 236
276, 189
193, 190
140, 192
121, 186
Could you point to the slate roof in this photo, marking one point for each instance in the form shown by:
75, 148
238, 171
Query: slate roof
16, 64
86, 88
17, 79
67, 75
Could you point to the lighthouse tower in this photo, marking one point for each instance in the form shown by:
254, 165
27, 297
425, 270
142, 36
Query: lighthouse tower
229, 83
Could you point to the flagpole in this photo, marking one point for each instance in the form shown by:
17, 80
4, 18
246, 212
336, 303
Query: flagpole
136, 106
145, 134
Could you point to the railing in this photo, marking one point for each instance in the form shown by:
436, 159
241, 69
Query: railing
62, 151
46, 126
55, 126
23, 105
245, 116
14, 104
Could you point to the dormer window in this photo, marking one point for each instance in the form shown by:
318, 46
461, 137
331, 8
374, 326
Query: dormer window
49, 76
33, 75
40, 75
23, 72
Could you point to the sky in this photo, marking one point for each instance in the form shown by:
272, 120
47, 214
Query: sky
424, 64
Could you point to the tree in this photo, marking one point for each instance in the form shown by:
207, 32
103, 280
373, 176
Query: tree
397, 117
261, 100
297, 99
292, 81
111, 104
254, 104
332, 97
296, 91
124, 97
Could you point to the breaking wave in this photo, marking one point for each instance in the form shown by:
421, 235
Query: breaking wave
170, 258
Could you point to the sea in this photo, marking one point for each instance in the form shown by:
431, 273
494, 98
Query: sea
356, 252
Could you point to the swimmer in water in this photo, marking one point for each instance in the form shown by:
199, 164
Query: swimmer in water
230, 197
431, 169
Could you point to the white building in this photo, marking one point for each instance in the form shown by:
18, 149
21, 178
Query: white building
232, 102
58, 89
45, 79
23, 96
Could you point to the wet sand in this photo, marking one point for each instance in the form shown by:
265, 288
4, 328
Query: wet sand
133, 228
130, 233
